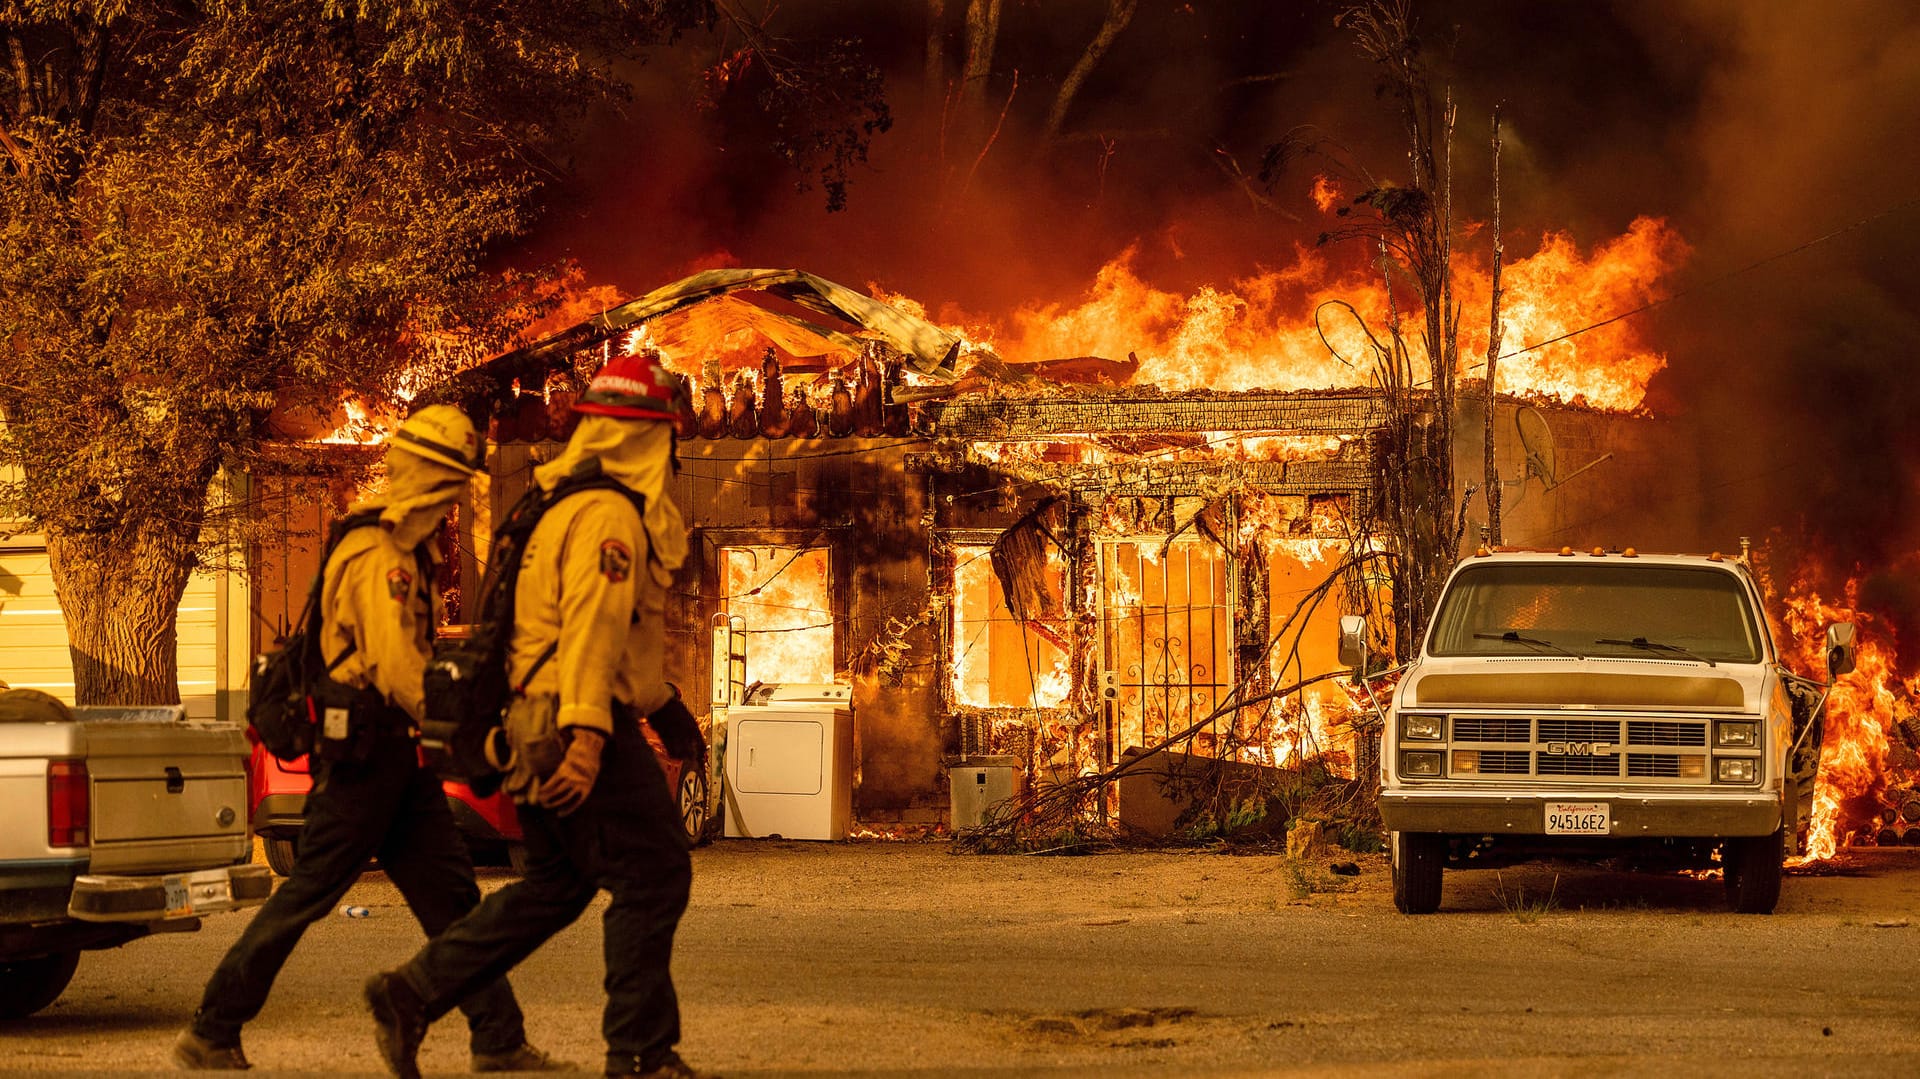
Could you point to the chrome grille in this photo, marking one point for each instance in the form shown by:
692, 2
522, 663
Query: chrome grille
1658, 750
1661, 732
1654, 765
1579, 730
1491, 729
1554, 765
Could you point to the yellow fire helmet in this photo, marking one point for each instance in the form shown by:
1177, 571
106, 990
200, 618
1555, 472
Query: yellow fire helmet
443, 434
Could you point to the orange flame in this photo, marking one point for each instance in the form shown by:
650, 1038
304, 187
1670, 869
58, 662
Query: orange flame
785, 595
1326, 192
1259, 332
1855, 761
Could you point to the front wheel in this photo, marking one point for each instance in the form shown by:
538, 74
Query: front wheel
28, 985
1419, 859
1753, 870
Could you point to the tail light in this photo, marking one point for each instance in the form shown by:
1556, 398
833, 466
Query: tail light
69, 804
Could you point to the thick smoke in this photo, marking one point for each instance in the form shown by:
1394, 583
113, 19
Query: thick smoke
1751, 127
1796, 375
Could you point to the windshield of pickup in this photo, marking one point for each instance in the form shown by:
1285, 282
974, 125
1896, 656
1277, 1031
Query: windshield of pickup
1569, 609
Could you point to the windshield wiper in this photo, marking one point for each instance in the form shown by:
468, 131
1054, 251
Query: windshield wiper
1515, 637
1657, 646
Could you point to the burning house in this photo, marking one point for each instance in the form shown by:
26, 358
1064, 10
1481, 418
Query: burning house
1040, 562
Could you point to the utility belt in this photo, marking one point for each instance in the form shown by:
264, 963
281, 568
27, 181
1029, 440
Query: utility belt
530, 744
348, 722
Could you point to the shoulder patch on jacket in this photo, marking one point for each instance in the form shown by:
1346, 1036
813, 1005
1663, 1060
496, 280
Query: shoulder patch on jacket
616, 560
399, 584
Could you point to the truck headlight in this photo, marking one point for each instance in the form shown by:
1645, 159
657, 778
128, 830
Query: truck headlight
1744, 735
1416, 727
1734, 769
1419, 762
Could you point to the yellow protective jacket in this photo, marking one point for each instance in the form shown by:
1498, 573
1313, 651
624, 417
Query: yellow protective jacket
375, 595
594, 578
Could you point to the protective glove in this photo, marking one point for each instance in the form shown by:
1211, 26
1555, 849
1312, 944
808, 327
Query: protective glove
566, 790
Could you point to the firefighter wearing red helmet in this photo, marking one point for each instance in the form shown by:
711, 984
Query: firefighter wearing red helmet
378, 608
591, 594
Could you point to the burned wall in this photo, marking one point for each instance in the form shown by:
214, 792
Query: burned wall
1582, 478
856, 499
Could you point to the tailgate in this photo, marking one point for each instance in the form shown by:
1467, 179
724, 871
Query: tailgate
167, 796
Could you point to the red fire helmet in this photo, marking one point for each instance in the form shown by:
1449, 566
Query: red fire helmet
632, 388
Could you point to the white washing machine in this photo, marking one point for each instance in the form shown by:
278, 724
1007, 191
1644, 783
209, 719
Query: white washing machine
789, 763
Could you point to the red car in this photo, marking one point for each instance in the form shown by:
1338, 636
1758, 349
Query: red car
278, 794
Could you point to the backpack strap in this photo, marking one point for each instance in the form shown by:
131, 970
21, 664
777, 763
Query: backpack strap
313, 616
520, 523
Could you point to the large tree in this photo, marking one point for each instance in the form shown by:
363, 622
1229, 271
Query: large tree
210, 206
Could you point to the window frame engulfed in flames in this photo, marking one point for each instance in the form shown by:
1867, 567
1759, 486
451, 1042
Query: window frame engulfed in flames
969, 547
977, 722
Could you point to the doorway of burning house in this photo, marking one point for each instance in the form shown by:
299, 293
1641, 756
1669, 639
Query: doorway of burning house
1166, 641
789, 587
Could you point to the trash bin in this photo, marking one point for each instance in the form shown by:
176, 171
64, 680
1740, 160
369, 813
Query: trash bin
979, 783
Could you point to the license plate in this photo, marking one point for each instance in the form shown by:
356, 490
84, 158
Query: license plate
1579, 818
179, 897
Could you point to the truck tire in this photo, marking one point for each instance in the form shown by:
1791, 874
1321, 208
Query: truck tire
1753, 869
28, 985
1419, 859
280, 856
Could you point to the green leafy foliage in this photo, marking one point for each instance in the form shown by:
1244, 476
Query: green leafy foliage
208, 209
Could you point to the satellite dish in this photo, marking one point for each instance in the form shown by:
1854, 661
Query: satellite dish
1536, 441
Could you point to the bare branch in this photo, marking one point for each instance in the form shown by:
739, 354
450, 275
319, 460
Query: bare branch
993, 136
1119, 14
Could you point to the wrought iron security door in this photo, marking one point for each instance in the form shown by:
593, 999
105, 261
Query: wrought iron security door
1166, 623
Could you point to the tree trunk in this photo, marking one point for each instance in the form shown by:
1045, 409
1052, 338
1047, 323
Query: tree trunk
1119, 13
1493, 349
120, 592
936, 54
983, 31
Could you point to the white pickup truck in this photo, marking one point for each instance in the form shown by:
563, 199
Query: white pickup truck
1599, 706
114, 823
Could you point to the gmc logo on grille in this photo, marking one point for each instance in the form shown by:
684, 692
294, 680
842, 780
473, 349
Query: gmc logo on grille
1579, 749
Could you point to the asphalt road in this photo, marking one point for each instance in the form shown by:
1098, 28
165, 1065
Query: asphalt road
899, 959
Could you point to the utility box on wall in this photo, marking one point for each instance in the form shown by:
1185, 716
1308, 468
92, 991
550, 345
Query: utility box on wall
979, 784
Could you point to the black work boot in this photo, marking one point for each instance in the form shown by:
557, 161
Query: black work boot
193, 1053
667, 1067
399, 1022
522, 1058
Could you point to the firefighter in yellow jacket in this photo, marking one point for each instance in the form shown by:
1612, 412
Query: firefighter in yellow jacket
587, 648
378, 608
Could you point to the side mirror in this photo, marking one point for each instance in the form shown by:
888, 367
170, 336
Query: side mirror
1840, 649
1353, 641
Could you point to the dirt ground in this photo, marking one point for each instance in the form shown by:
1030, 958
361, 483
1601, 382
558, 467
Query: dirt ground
901, 959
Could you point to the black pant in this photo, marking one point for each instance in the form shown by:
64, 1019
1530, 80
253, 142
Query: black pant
386, 805
626, 838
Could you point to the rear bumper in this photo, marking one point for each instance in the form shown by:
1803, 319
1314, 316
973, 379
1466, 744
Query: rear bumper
1691, 816
279, 816
476, 826
169, 896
